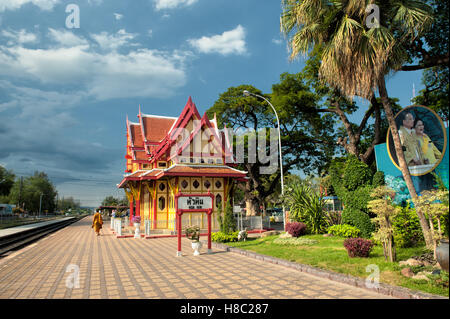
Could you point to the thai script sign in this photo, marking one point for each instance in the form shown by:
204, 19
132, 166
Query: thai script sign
194, 202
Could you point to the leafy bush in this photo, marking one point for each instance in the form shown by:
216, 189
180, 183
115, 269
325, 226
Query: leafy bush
333, 217
344, 231
296, 229
306, 206
360, 220
221, 237
227, 224
356, 173
378, 179
407, 229
358, 247
295, 241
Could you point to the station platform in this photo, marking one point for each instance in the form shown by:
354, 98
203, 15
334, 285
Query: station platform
74, 263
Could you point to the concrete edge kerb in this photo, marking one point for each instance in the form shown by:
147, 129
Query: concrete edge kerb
385, 289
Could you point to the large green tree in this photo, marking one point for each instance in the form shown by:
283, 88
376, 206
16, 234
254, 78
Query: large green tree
359, 52
31, 190
6, 183
300, 132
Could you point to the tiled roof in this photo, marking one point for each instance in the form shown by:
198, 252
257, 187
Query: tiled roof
156, 128
203, 170
136, 135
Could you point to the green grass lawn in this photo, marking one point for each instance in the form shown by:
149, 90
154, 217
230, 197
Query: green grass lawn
329, 253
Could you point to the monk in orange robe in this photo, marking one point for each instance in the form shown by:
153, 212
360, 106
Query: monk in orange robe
97, 222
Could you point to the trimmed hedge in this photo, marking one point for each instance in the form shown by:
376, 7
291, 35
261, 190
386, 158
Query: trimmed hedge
360, 220
344, 231
221, 237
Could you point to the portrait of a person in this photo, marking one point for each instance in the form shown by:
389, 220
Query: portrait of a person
430, 152
408, 138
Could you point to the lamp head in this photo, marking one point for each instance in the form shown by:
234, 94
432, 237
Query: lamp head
246, 93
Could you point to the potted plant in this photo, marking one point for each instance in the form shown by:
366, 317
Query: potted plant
137, 225
193, 233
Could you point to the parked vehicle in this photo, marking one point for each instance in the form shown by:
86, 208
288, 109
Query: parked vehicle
6, 209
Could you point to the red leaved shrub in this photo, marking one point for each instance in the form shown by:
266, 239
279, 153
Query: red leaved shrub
296, 229
358, 247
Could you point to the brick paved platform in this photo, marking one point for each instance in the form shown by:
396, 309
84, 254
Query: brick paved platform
111, 268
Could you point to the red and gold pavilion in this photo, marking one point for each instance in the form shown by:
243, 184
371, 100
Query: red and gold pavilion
169, 156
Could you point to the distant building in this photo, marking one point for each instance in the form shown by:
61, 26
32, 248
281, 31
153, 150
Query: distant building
6, 209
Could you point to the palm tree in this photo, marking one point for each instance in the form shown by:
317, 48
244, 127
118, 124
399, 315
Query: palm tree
355, 58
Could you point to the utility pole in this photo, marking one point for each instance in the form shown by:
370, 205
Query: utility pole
40, 204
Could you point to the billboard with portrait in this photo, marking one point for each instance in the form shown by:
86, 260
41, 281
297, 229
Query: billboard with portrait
423, 137
426, 152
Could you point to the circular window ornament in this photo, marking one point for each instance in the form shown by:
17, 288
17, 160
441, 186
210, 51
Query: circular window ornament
207, 184
196, 184
218, 184
162, 187
184, 183
423, 137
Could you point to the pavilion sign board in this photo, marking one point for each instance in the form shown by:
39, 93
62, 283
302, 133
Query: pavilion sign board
195, 202
189, 203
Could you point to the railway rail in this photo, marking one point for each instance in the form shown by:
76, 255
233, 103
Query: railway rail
18, 237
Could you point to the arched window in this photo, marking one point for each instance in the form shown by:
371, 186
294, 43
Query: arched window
161, 203
218, 200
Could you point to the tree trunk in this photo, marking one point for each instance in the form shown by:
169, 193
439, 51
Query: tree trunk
402, 162
252, 206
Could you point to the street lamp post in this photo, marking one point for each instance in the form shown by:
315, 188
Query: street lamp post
247, 93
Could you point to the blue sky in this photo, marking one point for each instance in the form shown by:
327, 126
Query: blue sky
65, 92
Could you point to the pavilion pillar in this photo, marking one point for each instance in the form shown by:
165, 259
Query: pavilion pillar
209, 231
179, 234
131, 211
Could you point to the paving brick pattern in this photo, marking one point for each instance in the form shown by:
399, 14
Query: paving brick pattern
128, 268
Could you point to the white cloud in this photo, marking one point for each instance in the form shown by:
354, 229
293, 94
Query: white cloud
113, 41
229, 42
20, 36
17, 4
172, 4
277, 41
105, 75
66, 38
118, 16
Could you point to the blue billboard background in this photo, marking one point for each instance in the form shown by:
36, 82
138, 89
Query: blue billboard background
394, 178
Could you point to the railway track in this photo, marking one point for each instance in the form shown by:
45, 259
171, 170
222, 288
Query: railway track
24, 237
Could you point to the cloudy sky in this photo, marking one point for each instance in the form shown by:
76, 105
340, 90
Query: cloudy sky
65, 90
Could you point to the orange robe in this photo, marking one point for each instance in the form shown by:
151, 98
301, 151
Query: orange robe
97, 222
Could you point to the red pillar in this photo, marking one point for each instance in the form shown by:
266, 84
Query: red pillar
179, 234
154, 212
209, 231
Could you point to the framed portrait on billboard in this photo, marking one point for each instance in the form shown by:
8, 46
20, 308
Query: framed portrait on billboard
423, 137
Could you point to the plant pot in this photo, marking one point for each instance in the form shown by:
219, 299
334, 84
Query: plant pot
137, 230
196, 246
442, 254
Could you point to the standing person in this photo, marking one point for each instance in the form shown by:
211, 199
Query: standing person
430, 152
413, 154
97, 222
